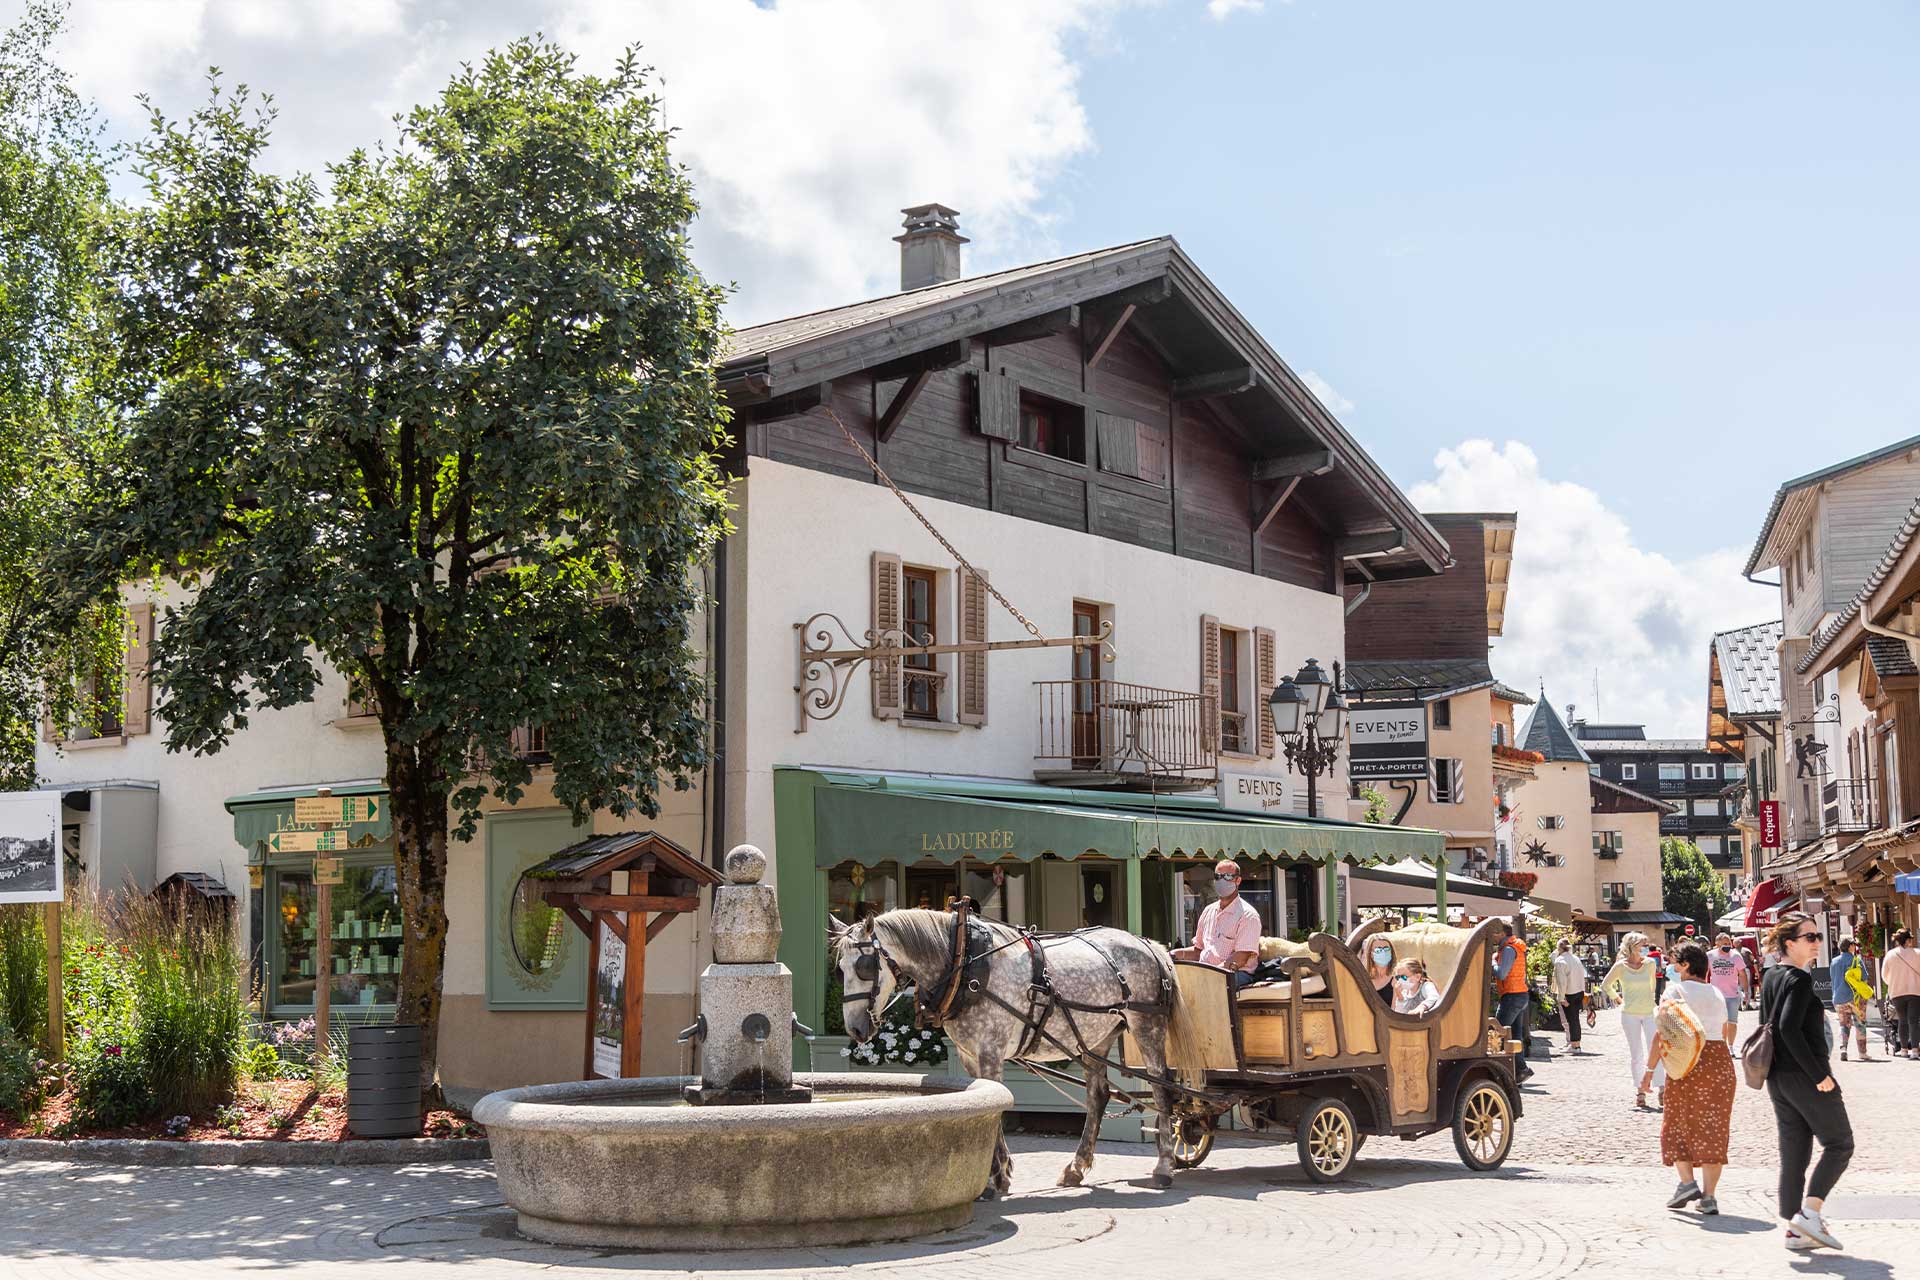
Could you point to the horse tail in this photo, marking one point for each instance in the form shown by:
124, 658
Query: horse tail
1186, 1058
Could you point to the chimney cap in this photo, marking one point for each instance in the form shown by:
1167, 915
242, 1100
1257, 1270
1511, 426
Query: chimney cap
931, 220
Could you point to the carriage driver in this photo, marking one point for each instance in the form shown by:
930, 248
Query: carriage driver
1228, 934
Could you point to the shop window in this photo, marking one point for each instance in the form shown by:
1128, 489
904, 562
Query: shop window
931, 886
1257, 886
1000, 889
1051, 427
855, 892
365, 932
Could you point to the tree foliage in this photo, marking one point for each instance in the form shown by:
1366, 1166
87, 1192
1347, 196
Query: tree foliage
1690, 886
448, 425
53, 431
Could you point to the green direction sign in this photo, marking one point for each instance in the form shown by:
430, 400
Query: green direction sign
335, 808
307, 841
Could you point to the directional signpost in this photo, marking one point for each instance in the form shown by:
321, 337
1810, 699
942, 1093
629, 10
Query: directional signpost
307, 841
336, 809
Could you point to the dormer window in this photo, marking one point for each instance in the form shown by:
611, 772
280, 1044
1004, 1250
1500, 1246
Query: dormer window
1051, 427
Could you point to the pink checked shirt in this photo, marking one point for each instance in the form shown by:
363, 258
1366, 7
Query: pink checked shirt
1225, 929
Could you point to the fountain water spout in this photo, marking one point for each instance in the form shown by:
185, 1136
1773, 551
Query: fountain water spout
745, 994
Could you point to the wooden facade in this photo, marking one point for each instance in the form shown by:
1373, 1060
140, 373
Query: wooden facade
1444, 617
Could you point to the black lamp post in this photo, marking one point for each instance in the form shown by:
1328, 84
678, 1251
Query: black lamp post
1310, 715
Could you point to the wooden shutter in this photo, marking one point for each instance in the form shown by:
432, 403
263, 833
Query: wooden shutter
973, 630
1119, 440
1434, 766
999, 406
139, 687
1454, 774
1210, 682
1264, 662
888, 602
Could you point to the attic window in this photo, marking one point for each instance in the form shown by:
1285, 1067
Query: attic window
1053, 428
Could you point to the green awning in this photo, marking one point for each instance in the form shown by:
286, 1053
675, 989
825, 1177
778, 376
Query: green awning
873, 826
259, 814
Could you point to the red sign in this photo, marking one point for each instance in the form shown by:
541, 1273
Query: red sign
1769, 824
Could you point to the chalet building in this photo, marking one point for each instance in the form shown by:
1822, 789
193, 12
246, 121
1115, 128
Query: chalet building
1743, 725
1863, 871
1591, 844
1682, 772
1834, 537
1428, 640
1098, 447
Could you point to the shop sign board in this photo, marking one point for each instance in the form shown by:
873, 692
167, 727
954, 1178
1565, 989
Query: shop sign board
1387, 740
308, 809
609, 1000
307, 841
31, 868
328, 871
1769, 824
1254, 791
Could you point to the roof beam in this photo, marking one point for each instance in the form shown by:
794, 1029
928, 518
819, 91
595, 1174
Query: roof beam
1221, 382
1045, 325
811, 396
1315, 462
1099, 348
902, 401
947, 355
1273, 507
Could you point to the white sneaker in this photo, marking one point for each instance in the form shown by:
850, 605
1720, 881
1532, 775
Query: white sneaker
1811, 1225
1798, 1242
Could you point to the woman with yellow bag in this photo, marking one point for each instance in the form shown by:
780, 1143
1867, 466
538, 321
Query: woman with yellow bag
1689, 1038
1850, 996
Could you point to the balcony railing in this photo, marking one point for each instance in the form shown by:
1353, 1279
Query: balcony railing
1846, 806
1112, 732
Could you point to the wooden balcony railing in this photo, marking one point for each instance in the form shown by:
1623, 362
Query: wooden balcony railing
1127, 732
1847, 806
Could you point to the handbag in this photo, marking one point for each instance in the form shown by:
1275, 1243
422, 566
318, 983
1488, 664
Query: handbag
1756, 1054
1593, 1016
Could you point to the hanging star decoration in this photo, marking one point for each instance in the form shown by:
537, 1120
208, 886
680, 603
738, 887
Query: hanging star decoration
1537, 853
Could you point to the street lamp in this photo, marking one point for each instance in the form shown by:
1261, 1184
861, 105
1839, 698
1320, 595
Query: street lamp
1309, 714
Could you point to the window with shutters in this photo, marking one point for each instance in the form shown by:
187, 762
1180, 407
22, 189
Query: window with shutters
115, 719
1234, 738
920, 618
1443, 780
1053, 427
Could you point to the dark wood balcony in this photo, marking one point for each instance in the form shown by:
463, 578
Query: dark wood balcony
1108, 733
1847, 806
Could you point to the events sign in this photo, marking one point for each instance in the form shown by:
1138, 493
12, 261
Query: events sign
1255, 791
31, 868
1387, 740
1769, 824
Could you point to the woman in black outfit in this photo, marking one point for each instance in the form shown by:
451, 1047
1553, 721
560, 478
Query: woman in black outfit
1807, 1103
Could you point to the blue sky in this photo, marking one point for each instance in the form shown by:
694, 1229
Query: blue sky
1622, 269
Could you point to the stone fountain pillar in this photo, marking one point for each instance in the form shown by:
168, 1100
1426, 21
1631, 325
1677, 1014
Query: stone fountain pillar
746, 996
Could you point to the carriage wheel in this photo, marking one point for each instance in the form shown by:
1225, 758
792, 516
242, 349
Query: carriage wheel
1328, 1139
1483, 1125
1192, 1139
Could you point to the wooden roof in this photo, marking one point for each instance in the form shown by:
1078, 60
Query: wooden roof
1794, 498
598, 856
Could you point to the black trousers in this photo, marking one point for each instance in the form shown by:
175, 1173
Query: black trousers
1802, 1113
1906, 1012
1571, 1009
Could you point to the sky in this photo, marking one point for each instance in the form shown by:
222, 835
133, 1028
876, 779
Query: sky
1620, 269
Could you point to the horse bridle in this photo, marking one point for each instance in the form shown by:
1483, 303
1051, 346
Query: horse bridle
868, 954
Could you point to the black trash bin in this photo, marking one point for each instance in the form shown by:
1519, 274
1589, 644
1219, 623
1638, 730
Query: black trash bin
383, 1081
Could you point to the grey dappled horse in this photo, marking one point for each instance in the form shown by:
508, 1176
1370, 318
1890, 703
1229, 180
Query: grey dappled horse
914, 947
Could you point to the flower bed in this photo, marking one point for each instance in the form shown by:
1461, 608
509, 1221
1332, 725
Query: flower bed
275, 1110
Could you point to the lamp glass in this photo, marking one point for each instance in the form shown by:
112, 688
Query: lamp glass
1314, 685
1288, 705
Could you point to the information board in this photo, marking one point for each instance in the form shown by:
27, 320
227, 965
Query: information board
1387, 740
31, 868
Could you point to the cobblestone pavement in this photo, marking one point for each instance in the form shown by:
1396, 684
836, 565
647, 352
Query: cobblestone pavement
1584, 1188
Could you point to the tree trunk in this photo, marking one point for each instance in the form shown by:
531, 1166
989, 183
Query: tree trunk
420, 860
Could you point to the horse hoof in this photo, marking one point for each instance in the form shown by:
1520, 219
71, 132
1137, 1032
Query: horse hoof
1162, 1180
1070, 1177
991, 1193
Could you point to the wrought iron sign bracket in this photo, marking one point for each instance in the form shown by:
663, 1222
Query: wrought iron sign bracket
828, 655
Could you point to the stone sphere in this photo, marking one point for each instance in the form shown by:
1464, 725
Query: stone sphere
745, 864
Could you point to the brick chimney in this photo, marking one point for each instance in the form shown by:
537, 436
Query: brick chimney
930, 247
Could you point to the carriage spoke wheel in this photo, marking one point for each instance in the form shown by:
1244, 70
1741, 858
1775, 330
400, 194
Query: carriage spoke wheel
1192, 1139
1328, 1139
1483, 1125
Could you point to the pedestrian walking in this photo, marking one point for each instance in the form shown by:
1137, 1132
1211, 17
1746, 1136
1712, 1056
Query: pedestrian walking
1848, 1007
1901, 969
1807, 1102
1698, 1117
1631, 980
1515, 1010
1570, 988
1728, 972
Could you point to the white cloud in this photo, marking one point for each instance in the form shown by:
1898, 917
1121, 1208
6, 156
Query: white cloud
1337, 404
807, 125
1586, 598
1221, 10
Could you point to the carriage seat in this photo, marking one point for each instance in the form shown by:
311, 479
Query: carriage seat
1281, 992
1282, 949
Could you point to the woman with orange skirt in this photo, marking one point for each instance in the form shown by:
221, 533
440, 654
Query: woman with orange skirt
1695, 1128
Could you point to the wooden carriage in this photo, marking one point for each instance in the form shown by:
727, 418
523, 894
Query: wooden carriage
1320, 1056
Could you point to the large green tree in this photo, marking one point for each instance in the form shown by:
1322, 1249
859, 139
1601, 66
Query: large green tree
53, 430
1689, 885
449, 425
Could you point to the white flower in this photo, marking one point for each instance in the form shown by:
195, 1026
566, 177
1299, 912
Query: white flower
846, 1053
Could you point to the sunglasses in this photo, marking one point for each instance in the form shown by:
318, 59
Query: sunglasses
1805, 937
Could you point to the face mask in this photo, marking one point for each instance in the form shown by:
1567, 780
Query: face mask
1724, 950
1223, 886
1382, 955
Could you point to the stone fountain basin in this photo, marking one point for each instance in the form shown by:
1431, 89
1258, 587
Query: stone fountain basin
625, 1163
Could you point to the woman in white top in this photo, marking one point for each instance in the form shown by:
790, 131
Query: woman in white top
1413, 991
1695, 1130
